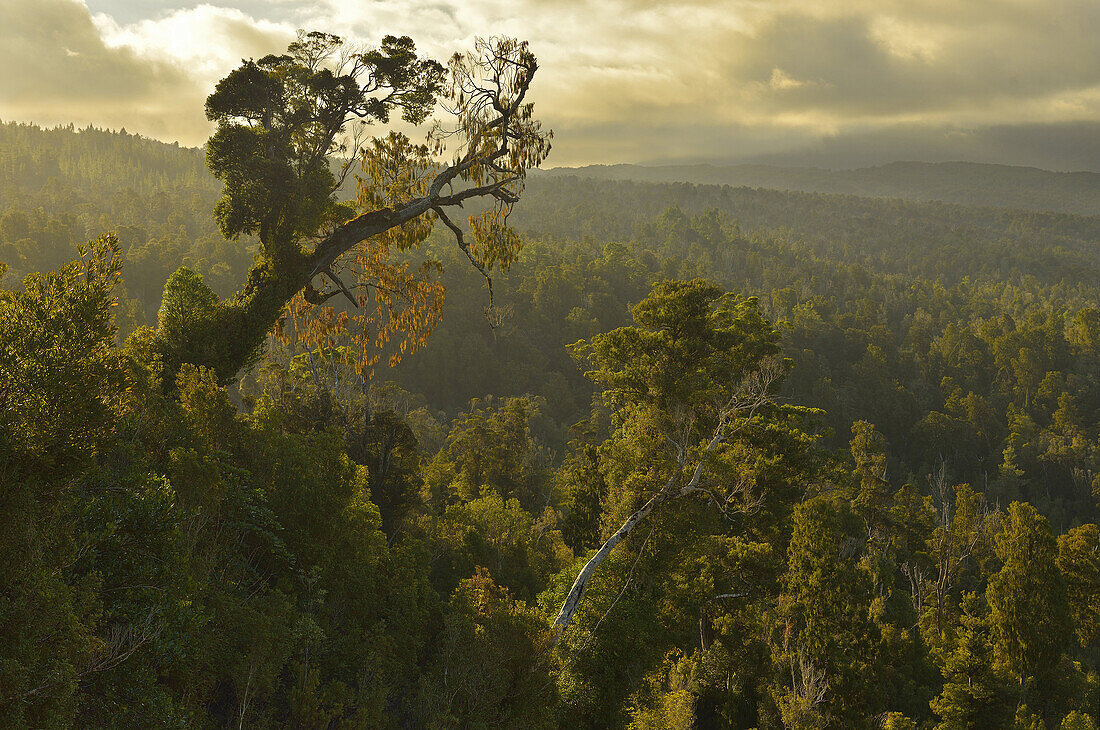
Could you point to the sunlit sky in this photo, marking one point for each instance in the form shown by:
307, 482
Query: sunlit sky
830, 82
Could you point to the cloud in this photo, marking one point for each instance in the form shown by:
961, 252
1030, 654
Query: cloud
676, 74
58, 69
881, 64
620, 80
775, 69
152, 76
206, 40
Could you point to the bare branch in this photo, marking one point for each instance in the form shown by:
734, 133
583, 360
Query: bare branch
336, 280
465, 247
626, 584
732, 418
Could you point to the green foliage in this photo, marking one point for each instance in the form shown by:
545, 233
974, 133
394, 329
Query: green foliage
898, 721
872, 491
829, 639
1079, 563
689, 341
188, 319
494, 664
666, 700
185, 562
696, 361
279, 118
302, 556
615, 636
966, 183
61, 387
1077, 721
393, 460
586, 489
501, 535
976, 694
1029, 611
61, 186
491, 451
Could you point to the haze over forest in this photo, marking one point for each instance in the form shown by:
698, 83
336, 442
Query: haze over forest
685, 365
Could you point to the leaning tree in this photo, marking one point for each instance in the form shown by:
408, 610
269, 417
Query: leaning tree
291, 128
690, 388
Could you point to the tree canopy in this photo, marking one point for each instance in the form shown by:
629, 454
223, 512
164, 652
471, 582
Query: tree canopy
899, 532
289, 129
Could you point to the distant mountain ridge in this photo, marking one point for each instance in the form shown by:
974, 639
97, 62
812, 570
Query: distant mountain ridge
967, 183
117, 159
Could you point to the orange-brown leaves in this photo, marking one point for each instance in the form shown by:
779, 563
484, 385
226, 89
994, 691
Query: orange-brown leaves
395, 171
399, 307
398, 302
495, 139
495, 243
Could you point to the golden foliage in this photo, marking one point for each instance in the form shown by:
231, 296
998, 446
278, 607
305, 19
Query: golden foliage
398, 302
496, 244
395, 171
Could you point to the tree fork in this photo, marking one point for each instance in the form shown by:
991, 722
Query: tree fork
242, 323
246, 320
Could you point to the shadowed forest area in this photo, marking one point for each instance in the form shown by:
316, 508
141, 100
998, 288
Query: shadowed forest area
872, 427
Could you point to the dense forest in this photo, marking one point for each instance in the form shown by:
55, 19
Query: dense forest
886, 417
969, 183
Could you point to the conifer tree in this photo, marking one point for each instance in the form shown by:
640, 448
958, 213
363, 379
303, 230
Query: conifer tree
1029, 610
975, 695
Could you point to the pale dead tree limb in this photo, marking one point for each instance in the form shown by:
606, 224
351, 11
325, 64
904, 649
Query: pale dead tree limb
246, 699
733, 417
721, 596
626, 584
119, 644
916, 585
950, 549
810, 684
576, 593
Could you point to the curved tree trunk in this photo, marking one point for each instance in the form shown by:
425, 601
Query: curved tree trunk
235, 336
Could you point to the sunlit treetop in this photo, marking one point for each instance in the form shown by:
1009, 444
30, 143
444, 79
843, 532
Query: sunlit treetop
290, 129
281, 118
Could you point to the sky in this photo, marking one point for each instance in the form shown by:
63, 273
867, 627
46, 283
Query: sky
834, 83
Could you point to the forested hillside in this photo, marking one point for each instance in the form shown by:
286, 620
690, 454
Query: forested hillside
968, 183
873, 425
61, 187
